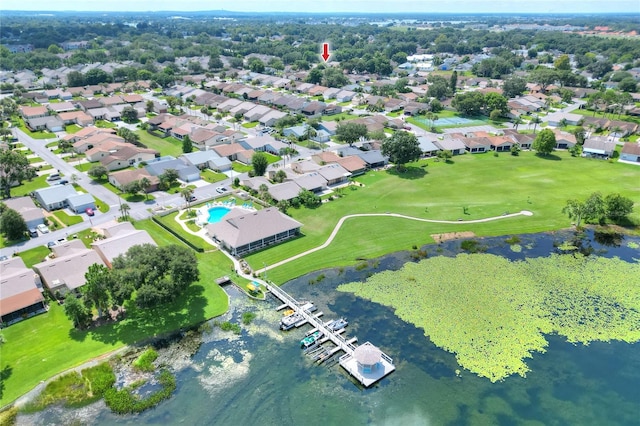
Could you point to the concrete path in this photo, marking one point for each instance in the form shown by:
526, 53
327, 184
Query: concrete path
344, 218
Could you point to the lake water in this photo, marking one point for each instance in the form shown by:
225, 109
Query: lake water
263, 378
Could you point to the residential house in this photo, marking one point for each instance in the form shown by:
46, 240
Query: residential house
598, 147
30, 112
630, 153
564, 140
373, 158
476, 145
427, 146
285, 191
314, 109
31, 214
119, 238
186, 173
226, 106
123, 178
256, 113
76, 117
229, 151
304, 166
66, 271
501, 143
335, 174
58, 107
271, 117
256, 182
241, 233
456, 146
206, 159
79, 202
245, 156
345, 96
555, 119
313, 182
52, 123
126, 156
54, 197
20, 292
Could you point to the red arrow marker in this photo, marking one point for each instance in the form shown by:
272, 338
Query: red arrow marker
325, 51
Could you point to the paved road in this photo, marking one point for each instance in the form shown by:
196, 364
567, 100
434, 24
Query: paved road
138, 211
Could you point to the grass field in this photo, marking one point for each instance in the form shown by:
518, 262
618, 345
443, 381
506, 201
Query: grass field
43, 346
166, 146
486, 185
66, 219
29, 186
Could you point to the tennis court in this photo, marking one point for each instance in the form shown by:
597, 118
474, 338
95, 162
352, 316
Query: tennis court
448, 121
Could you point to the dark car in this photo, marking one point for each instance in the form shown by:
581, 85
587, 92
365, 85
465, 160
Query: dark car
33, 232
63, 182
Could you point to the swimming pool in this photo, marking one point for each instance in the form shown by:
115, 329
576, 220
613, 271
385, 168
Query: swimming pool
216, 213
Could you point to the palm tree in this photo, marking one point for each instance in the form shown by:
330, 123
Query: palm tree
516, 122
124, 209
187, 193
563, 122
309, 132
617, 130
535, 120
145, 184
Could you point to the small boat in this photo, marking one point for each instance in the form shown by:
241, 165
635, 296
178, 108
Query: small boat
291, 321
309, 307
288, 312
311, 340
337, 324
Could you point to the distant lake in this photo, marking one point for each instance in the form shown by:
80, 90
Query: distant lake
263, 378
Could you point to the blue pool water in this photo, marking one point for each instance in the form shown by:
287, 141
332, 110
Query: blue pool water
216, 213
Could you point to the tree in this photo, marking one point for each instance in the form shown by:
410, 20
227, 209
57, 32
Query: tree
516, 122
515, 149
76, 311
454, 81
514, 86
545, 142
575, 210
309, 132
129, 135
594, 208
96, 288
309, 199
618, 207
158, 274
350, 132
14, 168
544, 77
535, 120
149, 106
259, 162
132, 187
129, 115
12, 224
401, 148
187, 144
168, 178
124, 210
98, 171
187, 194
470, 103
314, 76
445, 155
562, 63
280, 176
628, 84
145, 184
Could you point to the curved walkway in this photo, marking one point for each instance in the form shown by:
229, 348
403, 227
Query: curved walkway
344, 218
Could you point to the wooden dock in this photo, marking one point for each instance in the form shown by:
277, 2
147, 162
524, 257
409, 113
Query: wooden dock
367, 363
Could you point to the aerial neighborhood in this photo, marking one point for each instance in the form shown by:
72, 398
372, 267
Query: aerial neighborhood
235, 147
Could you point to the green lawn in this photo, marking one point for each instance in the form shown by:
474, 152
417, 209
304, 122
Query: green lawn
170, 221
250, 125
29, 186
72, 128
59, 347
104, 124
34, 255
66, 219
166, 146
341, 116
486, 185
211, 176
35, 135
240, 167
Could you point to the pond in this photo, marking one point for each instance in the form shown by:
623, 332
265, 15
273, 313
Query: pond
263, 377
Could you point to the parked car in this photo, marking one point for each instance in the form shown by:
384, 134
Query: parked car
53, 176
63, 182
89, 211
221, 189
33, 232
192, 198
43, 228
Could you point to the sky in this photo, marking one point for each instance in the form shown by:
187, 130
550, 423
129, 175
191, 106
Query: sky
369, 6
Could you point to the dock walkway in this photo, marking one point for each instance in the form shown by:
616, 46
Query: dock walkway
368, 376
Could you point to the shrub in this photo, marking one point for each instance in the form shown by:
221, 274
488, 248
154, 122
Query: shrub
472, 246
247, 317
124, 401
145, 361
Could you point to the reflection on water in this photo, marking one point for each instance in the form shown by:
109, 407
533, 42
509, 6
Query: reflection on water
262, 377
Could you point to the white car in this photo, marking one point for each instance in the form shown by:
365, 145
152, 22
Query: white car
221, 189
43, 228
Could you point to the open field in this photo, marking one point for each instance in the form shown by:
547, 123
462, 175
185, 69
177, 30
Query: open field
166, 146
59, 347
486, 185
